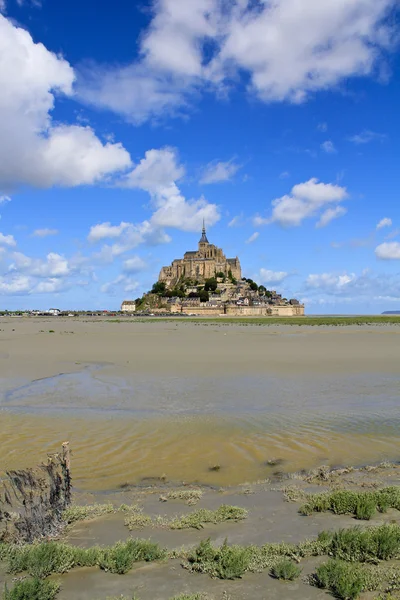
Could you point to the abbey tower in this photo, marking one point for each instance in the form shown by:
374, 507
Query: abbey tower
201, 264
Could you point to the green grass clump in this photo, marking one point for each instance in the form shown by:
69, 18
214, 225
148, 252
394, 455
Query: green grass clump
360, 504
198, 518
364, 545
32, 589
286, 569
121, 557
346, 581
365, 508
225, 562
189, 496
43, 559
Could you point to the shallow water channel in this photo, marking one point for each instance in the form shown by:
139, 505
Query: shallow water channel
123, 429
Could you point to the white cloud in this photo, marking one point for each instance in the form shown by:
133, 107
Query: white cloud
328, 147
367, 136
323, 127
328, 288
253, 237
54, 265
34, 150
2, 5
20, 284
102, 231
216, 172
330, 281
267, 276
134, 265
158, 173
41, 233
386, 222
4, 199
7, 240
306, 200
284, 175
286, 49
330, 214
388, 251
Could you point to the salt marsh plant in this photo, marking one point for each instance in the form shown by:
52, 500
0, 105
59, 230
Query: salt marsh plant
189, 496
42, 559
226, 562
286, 569
362, 505
344, 580
32, 589
198, 518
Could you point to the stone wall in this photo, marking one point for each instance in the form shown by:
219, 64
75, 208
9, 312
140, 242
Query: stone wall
244, 311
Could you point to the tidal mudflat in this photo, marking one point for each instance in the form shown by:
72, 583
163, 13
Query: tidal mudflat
209, 403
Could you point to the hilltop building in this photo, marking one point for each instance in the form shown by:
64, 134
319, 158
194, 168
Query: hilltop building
201, 264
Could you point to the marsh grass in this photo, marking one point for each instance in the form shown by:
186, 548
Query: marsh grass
32, 589
191, 497
77, 513
363, 545
42, 559
344, 580
286, 569
198, 518
361, 505
121, 557
194, 520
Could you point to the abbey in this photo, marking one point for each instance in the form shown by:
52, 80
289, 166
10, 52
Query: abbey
201, 264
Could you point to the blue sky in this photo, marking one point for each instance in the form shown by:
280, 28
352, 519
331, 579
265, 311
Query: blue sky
123, 126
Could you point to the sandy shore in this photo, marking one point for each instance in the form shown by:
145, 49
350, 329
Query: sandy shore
29, 351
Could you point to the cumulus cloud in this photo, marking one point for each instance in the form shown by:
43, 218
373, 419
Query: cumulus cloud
386, 222
306, 200
330, 214
217, 172
367, 136
34, 150
4, 199
158, 173
388, 251
103, 231
54, 265
253, 237
267, 276
7, 240
328, 147
41, 233
323, 127
286, 50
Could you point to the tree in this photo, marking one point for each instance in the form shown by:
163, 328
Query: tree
204, 296
211, 284
220, 274
158, 288
262, 290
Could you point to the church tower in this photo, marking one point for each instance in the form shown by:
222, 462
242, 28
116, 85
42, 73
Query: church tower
203, 243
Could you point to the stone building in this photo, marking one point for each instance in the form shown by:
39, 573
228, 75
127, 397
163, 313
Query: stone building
128, 306
201, 264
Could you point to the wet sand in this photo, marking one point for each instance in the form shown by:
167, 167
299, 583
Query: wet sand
143, 400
